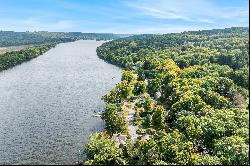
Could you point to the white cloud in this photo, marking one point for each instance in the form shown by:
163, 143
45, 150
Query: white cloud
132, 16
164, 14
188, 10
235, 12
147, 29
34, 24
209, 21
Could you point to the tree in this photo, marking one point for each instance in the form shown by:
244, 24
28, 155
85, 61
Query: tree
139, 88
232, 150
148, 104
119, 93
103, 151
203, 80
169, 66
128, 75
10, 59
158, 118
189, 102
207, 159
115, 120
154, 86
175, 149
240, 77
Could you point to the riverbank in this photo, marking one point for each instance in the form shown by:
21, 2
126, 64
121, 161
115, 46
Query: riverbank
13, 48
21, 54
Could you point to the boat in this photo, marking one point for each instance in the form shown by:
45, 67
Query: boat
96, 115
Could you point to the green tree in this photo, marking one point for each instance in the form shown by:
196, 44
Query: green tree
154, 86
148, 104
232, 150
158, 119
139, 88
115, 119
103, 151
128, 75
207, 159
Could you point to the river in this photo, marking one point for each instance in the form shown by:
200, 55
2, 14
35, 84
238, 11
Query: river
46, 104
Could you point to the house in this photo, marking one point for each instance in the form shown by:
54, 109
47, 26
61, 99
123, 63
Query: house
120, 139
145, 136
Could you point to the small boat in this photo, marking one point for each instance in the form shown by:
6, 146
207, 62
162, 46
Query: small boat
96, 115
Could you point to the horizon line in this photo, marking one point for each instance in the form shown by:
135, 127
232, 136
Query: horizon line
122, 33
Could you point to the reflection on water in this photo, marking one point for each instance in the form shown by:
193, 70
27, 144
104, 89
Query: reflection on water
46, 104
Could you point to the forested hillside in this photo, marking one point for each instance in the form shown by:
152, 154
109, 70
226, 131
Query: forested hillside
188, 97
10, 38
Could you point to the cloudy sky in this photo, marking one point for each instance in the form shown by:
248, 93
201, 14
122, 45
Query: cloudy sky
122, 16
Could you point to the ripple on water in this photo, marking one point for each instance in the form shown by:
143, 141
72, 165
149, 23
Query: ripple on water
46, 104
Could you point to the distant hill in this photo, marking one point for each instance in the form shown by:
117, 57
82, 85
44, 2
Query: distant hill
11, 38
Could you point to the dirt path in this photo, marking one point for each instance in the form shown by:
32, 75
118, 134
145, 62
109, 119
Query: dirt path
131, 127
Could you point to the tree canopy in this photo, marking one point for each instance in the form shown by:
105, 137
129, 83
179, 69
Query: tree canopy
190, 92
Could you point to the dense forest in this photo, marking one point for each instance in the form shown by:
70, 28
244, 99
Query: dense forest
188, 97
10, 59
11, 38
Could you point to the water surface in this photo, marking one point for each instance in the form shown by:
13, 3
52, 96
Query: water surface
46, 104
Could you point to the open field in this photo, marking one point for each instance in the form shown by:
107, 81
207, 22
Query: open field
13, 48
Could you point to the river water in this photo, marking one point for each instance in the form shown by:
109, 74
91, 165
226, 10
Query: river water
46, 104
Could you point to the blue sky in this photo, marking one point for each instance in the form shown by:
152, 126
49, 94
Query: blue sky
122, 16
